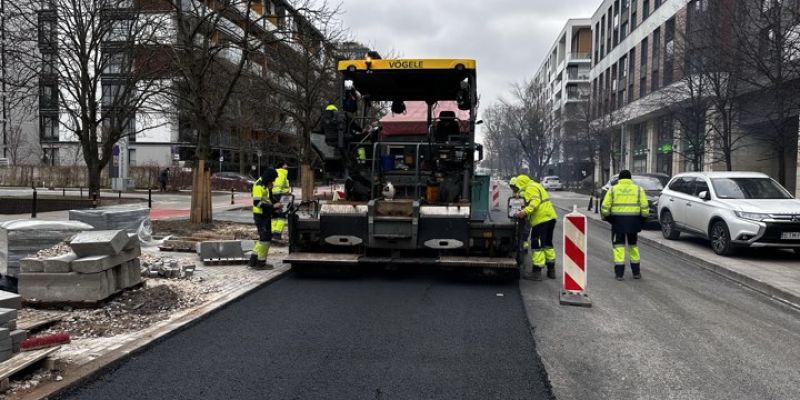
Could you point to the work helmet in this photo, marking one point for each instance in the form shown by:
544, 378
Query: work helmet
331, 107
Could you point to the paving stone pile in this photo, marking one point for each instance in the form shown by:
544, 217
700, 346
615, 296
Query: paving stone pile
10, 336
21, 238
167, 268
100, 264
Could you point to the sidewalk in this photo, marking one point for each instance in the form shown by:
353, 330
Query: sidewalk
773, 272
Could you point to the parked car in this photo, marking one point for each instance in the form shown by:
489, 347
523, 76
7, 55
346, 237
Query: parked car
731, 209
231, 180
552, 183
652, 184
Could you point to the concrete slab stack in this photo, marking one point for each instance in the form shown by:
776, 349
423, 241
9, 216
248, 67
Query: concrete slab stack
10, 336
22, 238
102, 263
128, 220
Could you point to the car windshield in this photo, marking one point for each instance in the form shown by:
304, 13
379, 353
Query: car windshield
749, 188
648, 183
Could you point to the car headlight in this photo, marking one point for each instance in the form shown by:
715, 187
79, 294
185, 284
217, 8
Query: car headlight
752, 216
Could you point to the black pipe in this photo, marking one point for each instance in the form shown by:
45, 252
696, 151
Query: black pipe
120, 194
81, 188
33, 204
149, 197
232, 202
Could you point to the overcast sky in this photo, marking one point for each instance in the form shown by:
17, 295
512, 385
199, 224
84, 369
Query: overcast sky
508, 38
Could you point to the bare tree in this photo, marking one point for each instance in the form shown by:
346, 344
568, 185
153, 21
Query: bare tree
503, 152
528, 115
303, 76
214, 47
768, 37
81, 45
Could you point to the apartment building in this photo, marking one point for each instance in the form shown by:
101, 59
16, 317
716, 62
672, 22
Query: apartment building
167, 137
563, 79
640, 61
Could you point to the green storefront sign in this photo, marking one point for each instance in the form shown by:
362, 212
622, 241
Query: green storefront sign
665, 148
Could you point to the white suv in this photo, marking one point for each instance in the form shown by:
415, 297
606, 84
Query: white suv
732, 209
552, 183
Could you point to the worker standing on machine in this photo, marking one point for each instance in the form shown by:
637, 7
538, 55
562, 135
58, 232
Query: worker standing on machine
542, 219
279, 189
263, 209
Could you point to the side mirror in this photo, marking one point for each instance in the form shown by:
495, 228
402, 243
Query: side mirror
705, 195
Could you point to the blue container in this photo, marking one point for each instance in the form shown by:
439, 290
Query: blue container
387, 162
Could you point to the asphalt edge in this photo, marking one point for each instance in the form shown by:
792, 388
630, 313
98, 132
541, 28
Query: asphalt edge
759, 286
92, 370
544, 375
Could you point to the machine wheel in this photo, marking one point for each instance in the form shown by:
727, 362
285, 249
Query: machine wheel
668, 229
721, 239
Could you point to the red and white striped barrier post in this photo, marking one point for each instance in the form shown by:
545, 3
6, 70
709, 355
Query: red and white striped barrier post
573, 291
495, 195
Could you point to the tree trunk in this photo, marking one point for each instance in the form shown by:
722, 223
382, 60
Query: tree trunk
307, 182
94, 177
201, 195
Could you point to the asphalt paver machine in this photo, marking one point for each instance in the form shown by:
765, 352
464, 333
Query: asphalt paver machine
402, 140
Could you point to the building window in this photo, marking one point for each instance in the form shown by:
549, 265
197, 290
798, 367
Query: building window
644, 49
113, 95
633, 20
643, 85
132, 157
48, 97
47, 32
669, 51
50, 156
624, 30
645, 9
656, 48
656, 4
116, 64
120, 30
48, 127
49, 62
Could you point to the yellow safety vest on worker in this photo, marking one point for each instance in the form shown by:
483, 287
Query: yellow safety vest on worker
260, 197
281, 185
537, 201
625, 199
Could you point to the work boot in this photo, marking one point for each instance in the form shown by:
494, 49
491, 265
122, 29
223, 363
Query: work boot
535, 274
637, 273
276, 236
263, 265
551, 271
619, 271
253, 262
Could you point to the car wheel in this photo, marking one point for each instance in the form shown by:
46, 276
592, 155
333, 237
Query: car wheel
668, 226
721, 239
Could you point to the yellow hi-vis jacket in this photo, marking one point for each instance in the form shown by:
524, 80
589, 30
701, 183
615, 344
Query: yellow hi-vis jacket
261, 197
625, 199
538, 207
281, 185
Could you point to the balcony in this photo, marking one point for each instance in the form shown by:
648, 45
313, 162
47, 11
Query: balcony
580, 57
578, 75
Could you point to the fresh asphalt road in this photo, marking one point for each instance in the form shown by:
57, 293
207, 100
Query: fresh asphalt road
679, 333
379, 336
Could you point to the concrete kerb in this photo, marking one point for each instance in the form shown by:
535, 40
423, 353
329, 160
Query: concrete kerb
112, 360
751, 283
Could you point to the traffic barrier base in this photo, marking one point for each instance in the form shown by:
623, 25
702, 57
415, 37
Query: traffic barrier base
574, 277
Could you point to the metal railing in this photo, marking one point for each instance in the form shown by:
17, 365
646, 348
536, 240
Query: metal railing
577, 56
